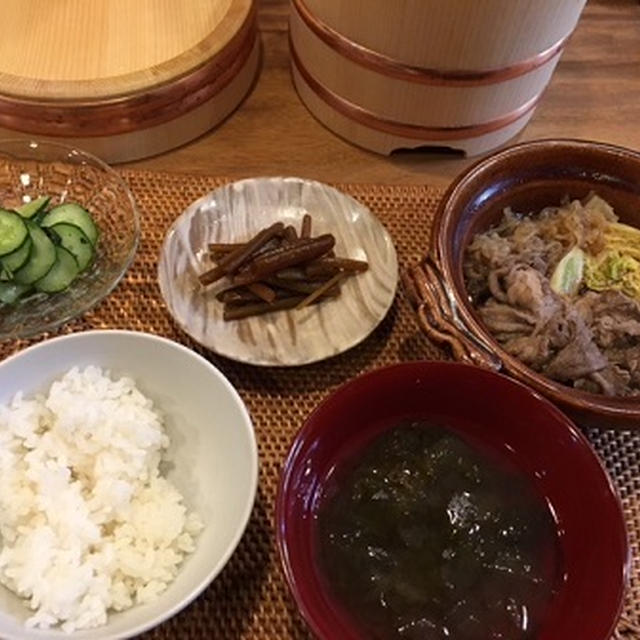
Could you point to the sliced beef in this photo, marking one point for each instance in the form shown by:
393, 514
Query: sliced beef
578, 358
615, 319
632, 361
612, 380
587, 384
503, 319
529, 289
532, 350
524, 289
591, 341
627, 359
559, 329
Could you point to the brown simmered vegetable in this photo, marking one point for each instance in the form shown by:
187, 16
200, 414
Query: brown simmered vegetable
263, 291
329, 266
217, 250
321, 290
303, 250
243, 295
278, 269
236, 258
211, 276
305, 232
294, 274
242, 254
236, 295
290, 234
224, 247
239, 311
299, 285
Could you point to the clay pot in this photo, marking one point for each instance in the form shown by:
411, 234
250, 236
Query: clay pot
525, 177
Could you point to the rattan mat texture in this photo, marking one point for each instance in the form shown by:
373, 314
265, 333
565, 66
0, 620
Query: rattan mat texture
250, 599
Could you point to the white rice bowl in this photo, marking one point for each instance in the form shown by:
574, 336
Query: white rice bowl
212, 465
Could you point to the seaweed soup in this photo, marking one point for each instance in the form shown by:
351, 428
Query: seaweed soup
426, 536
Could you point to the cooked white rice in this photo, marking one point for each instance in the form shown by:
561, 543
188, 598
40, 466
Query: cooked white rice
87, 522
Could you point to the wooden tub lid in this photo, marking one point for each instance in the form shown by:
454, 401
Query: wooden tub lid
76, 69
79, 50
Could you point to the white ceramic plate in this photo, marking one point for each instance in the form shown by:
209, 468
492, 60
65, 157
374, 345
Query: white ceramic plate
237, 211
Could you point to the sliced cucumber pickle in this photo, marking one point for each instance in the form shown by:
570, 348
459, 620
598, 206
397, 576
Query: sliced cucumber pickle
32, 209
10, 292
72, 213
18, 258
43, 250
62, 273
43, 255
74, 240
13, 231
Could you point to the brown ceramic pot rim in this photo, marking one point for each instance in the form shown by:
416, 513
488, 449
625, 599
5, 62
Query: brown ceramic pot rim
443, 229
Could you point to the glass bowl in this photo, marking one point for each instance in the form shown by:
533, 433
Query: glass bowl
29, 169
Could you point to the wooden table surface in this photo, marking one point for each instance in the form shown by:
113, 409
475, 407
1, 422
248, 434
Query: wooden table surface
595, 94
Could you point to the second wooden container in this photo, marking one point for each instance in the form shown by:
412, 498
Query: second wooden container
460, 74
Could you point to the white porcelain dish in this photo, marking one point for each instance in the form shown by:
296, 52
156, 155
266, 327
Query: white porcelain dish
213, 451
234, 213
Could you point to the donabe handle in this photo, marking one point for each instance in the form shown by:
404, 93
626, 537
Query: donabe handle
438, 316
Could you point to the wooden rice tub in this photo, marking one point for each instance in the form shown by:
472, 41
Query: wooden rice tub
124, 79
460, 74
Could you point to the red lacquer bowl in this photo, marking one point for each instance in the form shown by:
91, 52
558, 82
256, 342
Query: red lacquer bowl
506, 416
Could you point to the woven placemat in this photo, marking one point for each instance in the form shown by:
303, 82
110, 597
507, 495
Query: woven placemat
250, 599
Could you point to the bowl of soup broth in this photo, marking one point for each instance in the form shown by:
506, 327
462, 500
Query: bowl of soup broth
436, 500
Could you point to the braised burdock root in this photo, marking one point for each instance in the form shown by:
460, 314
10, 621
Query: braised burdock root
278, 269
